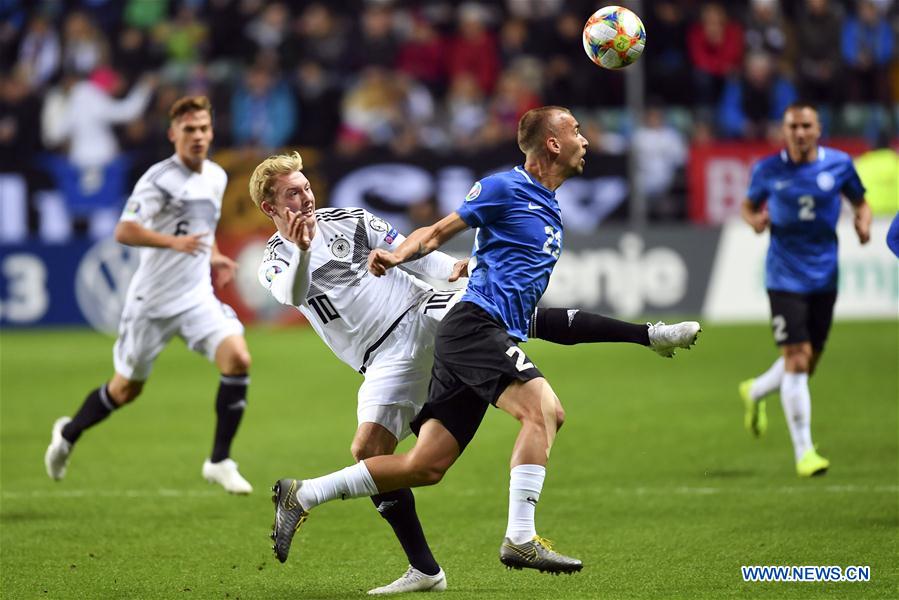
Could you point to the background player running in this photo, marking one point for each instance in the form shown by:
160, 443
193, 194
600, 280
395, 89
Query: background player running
171, 216
803, 185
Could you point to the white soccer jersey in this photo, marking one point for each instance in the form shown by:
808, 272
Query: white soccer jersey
172, 199
351, 310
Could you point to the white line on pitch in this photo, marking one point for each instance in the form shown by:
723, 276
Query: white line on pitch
160, 493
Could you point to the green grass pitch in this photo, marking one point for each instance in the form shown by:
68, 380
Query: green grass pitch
653, 483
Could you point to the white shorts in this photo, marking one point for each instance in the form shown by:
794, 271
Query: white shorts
397, 378
141, 339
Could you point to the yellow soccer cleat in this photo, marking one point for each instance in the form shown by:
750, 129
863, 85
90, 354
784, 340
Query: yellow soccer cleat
812, 464
755, 416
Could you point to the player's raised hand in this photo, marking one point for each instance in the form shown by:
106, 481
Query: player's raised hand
192, 244
379, 261
460, 269
300, 228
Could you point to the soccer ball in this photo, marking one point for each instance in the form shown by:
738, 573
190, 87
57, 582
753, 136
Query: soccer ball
614, 37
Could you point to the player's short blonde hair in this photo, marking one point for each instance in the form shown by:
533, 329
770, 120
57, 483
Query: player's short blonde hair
262, 181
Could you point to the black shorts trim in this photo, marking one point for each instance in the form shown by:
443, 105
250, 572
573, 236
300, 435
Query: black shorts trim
475, 360
798, 318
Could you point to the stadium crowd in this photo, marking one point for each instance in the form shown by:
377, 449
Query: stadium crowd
86, 83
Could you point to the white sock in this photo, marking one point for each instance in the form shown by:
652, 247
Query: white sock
525, 485
797, 403
768, 381
352, 482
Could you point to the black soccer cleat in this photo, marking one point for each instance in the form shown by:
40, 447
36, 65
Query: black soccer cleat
537, 553
289, 515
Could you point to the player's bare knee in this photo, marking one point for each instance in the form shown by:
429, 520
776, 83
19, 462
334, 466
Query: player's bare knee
560, 417
430, 474
367, 447
237, 363
124, 393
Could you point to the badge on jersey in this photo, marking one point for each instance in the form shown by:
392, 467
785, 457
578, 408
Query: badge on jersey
825, 181
340, 248
378, 224
391, 235
271, 272
474, 192
132, 208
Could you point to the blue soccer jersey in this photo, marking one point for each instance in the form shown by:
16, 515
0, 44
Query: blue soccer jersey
804, 206
517, 244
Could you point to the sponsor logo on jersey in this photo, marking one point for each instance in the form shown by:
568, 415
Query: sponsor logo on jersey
474, 192
340, 247
271, 272
378, 224
391, 235
825, 181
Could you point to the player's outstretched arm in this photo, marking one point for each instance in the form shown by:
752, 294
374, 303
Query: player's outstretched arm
134, 234
862, 220
755, 215
420, 242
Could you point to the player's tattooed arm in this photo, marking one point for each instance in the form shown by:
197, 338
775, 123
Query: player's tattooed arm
420, 243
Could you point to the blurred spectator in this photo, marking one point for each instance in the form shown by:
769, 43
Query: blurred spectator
226, 41
473, 50
145, 14
514, 41
263, 110
39, 52
571, 79
134, 54
423, 55
91, 111
417, 127
544, 9
317, 35
84, 46
767, 31
753, 103
319, 101
715, 44
19, 122
375, 45
602, 140
667, 66
371, 109
269, 29
512, 99
818, 67
184, 39
661, 152
94, 177
867, 50
466, 112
